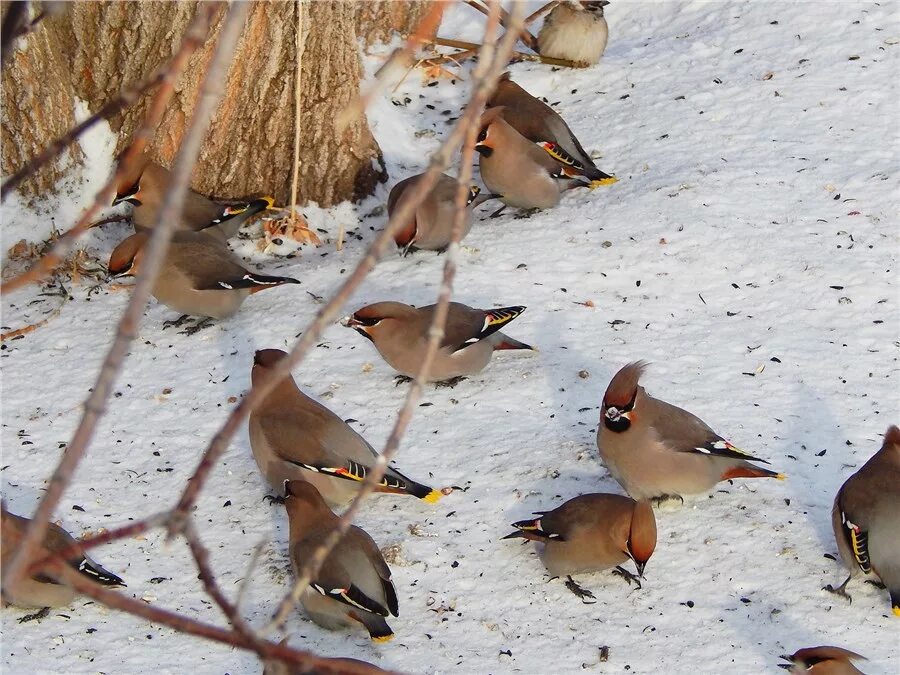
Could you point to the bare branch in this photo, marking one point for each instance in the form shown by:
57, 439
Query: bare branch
527, 38
515, 56
484, 84
169, 213
183, 624
194, 37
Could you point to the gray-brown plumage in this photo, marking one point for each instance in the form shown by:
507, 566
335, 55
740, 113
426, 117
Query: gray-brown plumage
199, 276
592, 532
431, 225
339, 666
471, 336
866, 519
294, 437
655, 449
353, 585
521, 173
146, 193
541, 125
41, 590
577, 36
822, 661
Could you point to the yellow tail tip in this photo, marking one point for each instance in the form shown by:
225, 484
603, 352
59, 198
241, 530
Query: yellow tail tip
269, 200
383, 638
781, 476
896, 610
433, 497
602, 181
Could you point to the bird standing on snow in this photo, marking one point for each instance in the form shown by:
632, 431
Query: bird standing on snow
353, 585
577, 36
200, 213
657, 450
199, 276
866, 519
431, 225
593, 532
294, 437
521, 173
41, 590
822, 661
541, 124
400, 334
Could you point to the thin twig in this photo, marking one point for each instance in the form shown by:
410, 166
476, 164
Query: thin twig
124, 99
248, 575
527, 38
515, 56
468, 125
210, 92
538, 12
208, 579
183, 624
399, 59
194, 37
299, 47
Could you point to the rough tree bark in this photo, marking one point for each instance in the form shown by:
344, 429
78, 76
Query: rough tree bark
95, 48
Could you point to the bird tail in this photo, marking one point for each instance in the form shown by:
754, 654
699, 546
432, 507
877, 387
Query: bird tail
408, 486
233, 217
378, 628
746, 470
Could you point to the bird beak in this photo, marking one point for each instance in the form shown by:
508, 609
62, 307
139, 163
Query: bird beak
128, 195
483, 149
350, 322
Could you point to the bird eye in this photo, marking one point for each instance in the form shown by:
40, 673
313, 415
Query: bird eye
483, 135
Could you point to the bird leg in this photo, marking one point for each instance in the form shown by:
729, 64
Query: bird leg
37, 616
580, 592
273, 499
402, 379
525, 213
451, 383
840, 589
620, 571
669, 501
496, 214
197, 327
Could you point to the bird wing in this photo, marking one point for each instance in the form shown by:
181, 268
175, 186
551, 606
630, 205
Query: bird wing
466, 326
335, 580
855, 532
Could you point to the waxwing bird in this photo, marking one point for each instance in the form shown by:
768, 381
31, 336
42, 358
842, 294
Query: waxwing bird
294, 437
593, 532
518, 171
353, 585
431, 226
573, 35
400, 334
866, 519
657, 450
822, 661
199, 276
339, 666
542, 125
41, 590
200, 213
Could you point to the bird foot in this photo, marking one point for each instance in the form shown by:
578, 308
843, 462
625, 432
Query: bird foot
627, 576
496, 214
37, 616
840, 590
273, 499
525, 213
580, 592
451, 383
176, 323
668, 502
402, 379
197, 327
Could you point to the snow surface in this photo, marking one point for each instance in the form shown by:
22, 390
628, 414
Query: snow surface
748, 251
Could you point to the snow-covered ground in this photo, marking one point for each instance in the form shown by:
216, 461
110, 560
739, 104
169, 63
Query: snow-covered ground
748, 251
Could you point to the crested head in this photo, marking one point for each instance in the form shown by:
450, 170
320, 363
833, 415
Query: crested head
892, 436
125, 258
304, 504
642, 536
805, 659
267, 358
618, 402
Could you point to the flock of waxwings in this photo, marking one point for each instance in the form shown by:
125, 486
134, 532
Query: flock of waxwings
654, 449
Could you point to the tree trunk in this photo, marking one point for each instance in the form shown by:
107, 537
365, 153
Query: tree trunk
95, 48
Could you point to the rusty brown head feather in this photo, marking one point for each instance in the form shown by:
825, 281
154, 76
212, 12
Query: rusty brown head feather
621, 390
